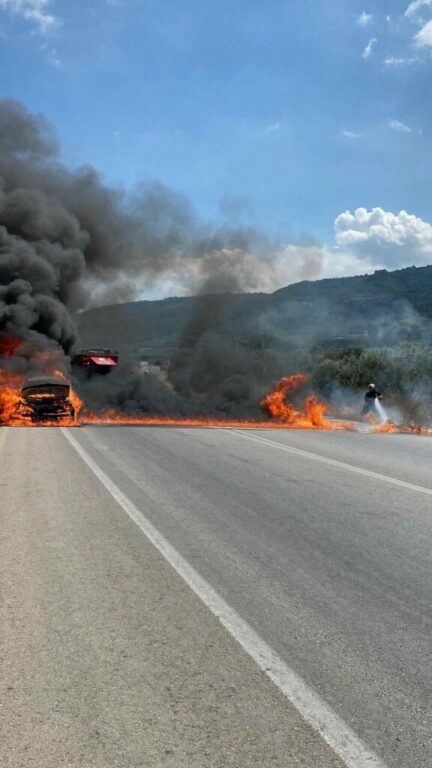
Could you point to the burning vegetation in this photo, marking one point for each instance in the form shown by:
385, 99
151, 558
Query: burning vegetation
278, 406
49, 399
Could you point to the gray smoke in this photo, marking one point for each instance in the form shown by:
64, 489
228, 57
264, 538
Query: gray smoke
75, 242
207, 364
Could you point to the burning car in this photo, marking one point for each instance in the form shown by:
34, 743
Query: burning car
45, 398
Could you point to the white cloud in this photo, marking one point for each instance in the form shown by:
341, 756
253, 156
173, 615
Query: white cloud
399, 61
416, 6
339, 262
367, 53
364, 19
383, 238
350, 134
424, 38
364, 241
32, 10
396, 125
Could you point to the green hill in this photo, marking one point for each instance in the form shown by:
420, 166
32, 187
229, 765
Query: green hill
381, 309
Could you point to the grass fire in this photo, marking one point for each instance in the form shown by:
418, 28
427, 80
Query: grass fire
35, 390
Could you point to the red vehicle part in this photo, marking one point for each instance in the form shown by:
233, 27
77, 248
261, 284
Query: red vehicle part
97, 360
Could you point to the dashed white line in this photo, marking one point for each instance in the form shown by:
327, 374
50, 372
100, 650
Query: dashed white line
314, 710
335, 463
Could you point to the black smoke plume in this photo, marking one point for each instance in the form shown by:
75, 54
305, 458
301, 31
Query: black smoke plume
68, 242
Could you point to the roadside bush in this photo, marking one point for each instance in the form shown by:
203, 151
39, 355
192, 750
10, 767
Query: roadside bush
403, 373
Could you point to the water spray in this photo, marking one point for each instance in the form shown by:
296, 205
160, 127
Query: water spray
381, 412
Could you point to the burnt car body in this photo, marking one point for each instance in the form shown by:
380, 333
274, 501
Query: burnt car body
45, 398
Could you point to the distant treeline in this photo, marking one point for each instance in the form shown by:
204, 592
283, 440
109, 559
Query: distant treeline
400, 369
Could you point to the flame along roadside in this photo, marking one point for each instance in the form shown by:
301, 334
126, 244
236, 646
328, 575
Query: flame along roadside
278, 410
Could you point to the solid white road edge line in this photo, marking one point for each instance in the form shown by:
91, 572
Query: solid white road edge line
335, 463
314, 710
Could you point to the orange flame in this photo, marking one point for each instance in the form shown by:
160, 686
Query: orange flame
10, 387
10, 401
9, 345
11, 382
313, 415
389, 427
281, 412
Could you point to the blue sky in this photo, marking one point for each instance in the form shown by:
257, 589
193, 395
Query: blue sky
281, 114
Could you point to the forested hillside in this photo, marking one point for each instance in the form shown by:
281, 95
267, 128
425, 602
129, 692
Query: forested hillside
372, 310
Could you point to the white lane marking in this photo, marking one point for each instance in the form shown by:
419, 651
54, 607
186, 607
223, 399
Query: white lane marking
335, 463
344, 742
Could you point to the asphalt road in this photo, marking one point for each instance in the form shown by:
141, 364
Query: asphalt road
320, 542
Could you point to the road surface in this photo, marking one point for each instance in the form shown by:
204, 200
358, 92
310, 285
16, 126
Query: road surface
203, 598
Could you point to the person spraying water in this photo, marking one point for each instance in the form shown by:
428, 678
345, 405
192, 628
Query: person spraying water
372, 405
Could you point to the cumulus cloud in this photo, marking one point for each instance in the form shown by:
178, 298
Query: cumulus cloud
338, 262
364, 19
384, 239
32, 10
424, 38
416, 6
367, 53
364, 241
396, 125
